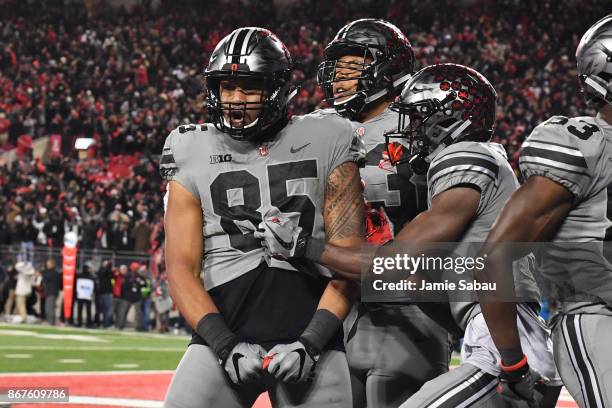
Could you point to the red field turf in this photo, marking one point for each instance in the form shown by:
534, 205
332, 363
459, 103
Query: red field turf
147, 389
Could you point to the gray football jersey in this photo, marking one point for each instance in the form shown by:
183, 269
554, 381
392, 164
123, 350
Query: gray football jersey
402, 194
576, 153
485, 166
396, 189
237, 182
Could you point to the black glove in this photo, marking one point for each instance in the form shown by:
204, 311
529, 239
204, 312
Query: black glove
517, 383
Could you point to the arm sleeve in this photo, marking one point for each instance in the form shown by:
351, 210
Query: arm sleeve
552, 152
173, 164
462, 165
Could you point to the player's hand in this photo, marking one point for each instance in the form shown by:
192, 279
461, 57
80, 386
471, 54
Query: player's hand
520, 385
281, 236
291, 362
243, 364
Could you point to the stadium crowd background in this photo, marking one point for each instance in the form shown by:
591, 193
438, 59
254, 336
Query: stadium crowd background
127, 78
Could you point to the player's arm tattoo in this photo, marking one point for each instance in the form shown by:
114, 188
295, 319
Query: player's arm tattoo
344, 205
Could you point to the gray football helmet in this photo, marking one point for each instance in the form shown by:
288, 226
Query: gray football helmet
254, 53
594, 58
440, 105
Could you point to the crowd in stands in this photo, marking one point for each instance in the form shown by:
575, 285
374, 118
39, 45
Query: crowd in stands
102, 296
126, 79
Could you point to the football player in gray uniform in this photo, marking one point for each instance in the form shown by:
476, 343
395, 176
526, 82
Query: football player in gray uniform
259, 323
450, 112
566, 163
392, 348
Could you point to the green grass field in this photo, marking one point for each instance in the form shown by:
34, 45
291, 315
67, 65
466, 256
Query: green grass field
33, 348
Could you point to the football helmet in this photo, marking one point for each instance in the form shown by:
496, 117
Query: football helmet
252, 53
388, 62
594, 58
440, 105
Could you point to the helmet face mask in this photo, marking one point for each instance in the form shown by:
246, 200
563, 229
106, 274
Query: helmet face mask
255, 67
594, 61
374, 54
346, 78
441, 105
421, 127
246, 110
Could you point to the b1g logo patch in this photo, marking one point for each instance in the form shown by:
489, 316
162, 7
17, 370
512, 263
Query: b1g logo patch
220, 158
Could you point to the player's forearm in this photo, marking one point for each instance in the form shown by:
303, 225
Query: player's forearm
348, 263
326, 322
338, 297
188, 294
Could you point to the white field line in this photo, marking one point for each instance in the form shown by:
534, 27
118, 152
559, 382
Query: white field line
71, 373
95, 348
115, 402
99, 331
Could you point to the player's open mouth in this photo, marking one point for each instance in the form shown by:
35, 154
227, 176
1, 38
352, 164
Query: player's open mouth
237, 117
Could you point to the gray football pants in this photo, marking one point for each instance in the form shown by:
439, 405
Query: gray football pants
392, 351
200, 382
583, 354
469, 386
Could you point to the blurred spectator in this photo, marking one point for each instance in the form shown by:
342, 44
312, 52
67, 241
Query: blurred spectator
162, 302
141, 235
130, 295
3, 281
52, 284
85, 288
9, 291
144, 307
23, 288
104, 292
119, 275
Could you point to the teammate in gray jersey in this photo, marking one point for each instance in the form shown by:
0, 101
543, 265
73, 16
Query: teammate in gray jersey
451, 111
392, 349
567, 166
259, 323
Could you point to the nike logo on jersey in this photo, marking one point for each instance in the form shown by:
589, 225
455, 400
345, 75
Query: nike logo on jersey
294, 150
285, 244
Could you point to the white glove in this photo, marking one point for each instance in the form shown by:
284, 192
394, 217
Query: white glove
243, 364
290, 362
281, 236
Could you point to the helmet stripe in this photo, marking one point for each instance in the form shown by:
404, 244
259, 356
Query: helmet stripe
245, 43
232, 42
238, 45
347, 29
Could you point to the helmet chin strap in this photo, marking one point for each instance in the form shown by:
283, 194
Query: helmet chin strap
600, 86
225, 122
347, 99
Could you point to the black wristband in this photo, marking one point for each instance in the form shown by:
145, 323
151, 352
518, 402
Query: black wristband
322, 327
314, 249
511, 356
217, 335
